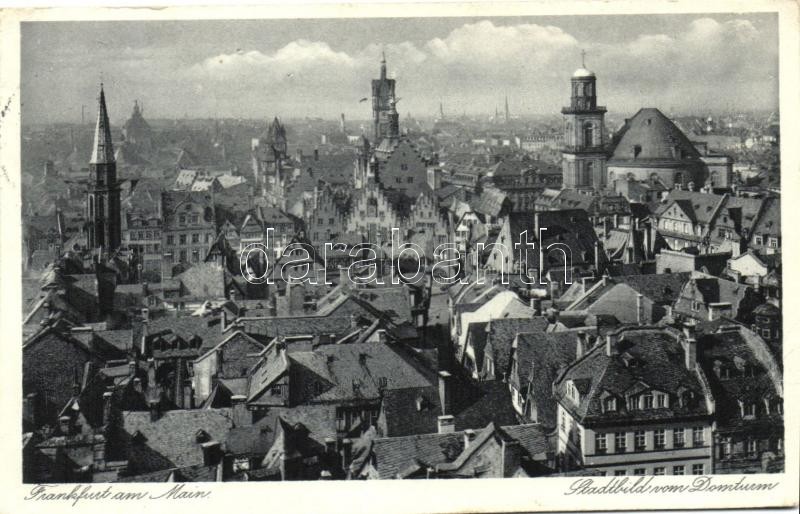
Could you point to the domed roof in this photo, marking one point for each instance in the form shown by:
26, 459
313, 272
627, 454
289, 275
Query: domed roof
767, 309
650, 135
582, 73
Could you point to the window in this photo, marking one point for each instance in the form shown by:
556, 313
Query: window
410, 180
659, 471
183, 256
698, 469
677, 470
208, 238
620, 441
182, 239
195, 238
195, 256
697, 436
765, 333
647, 401
193, 219
619, 473
752, 447
610, 404
563, 423
661, 401
600, 443
759, 240
726, 448
750, 410
678, 438
148, 235
773, 242
639, 471
695, 305
659, 438
639, 440
276, 390
182, 219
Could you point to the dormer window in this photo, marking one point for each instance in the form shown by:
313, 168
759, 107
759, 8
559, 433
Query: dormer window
610, 404
647, 401
750, 410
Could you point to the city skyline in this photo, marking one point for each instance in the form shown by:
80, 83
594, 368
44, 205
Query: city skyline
320, 68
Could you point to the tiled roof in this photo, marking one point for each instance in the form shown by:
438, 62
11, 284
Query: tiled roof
171, 439
501, 336
656, 136
393, 455
659, 364
544, 355
570, 227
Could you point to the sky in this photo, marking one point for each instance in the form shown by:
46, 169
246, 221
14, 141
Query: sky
323, 67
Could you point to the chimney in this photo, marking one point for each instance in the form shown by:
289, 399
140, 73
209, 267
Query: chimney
154, 407
689, 329
30, 409
151, 373
137, 385
347, 453
224, 319
640, 309
511, 457
330, 445
616, 220
597, 256
212, 453
132, 368
145, 315
536, 306
469, 435
241, 415
581, 345
446, 424
232, 295
65, 425
690, 353
179, 383
107, 396
316, 154
611, 344
445, 391
605, 227
536, 226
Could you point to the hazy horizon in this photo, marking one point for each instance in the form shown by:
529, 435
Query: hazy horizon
255, 69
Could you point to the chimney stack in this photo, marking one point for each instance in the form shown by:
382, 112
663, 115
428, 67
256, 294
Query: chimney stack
581, 344
224, 319
446, 424
536, 306
611, 344
241, 415
107, 396
597, 256
137, 385
511, 457
640, 309
132, 368
445, 391
212, 453
690, 353
469, 435
65, 425
347, 453
155, 410
536, 226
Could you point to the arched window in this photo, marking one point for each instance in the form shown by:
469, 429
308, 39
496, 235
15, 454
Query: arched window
588, 134
588, 176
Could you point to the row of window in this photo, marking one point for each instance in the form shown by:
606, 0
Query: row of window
196, 238
193, 219
640, 440
147, 248
182, 257
697, 469
142, 235
772, 242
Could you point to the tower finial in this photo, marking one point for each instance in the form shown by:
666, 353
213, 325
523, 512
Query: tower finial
583, 58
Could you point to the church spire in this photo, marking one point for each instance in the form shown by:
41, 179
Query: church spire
383, 65
103, 149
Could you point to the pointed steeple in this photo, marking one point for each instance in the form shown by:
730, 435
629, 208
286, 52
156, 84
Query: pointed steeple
103, 149
383, 65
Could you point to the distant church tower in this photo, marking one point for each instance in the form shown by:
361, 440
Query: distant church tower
583, 156
103, 209
384, 113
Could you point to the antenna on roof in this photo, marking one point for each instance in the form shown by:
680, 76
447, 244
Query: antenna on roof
583, 58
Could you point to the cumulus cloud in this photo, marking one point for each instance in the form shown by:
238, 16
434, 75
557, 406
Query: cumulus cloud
704, 63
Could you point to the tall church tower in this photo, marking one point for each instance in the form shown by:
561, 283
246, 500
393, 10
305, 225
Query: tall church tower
583, 157
384, 114
103, 203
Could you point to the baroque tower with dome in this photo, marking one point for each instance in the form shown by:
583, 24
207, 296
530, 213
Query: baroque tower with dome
583, 156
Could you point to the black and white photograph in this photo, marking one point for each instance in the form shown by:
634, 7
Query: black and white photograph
406, 248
